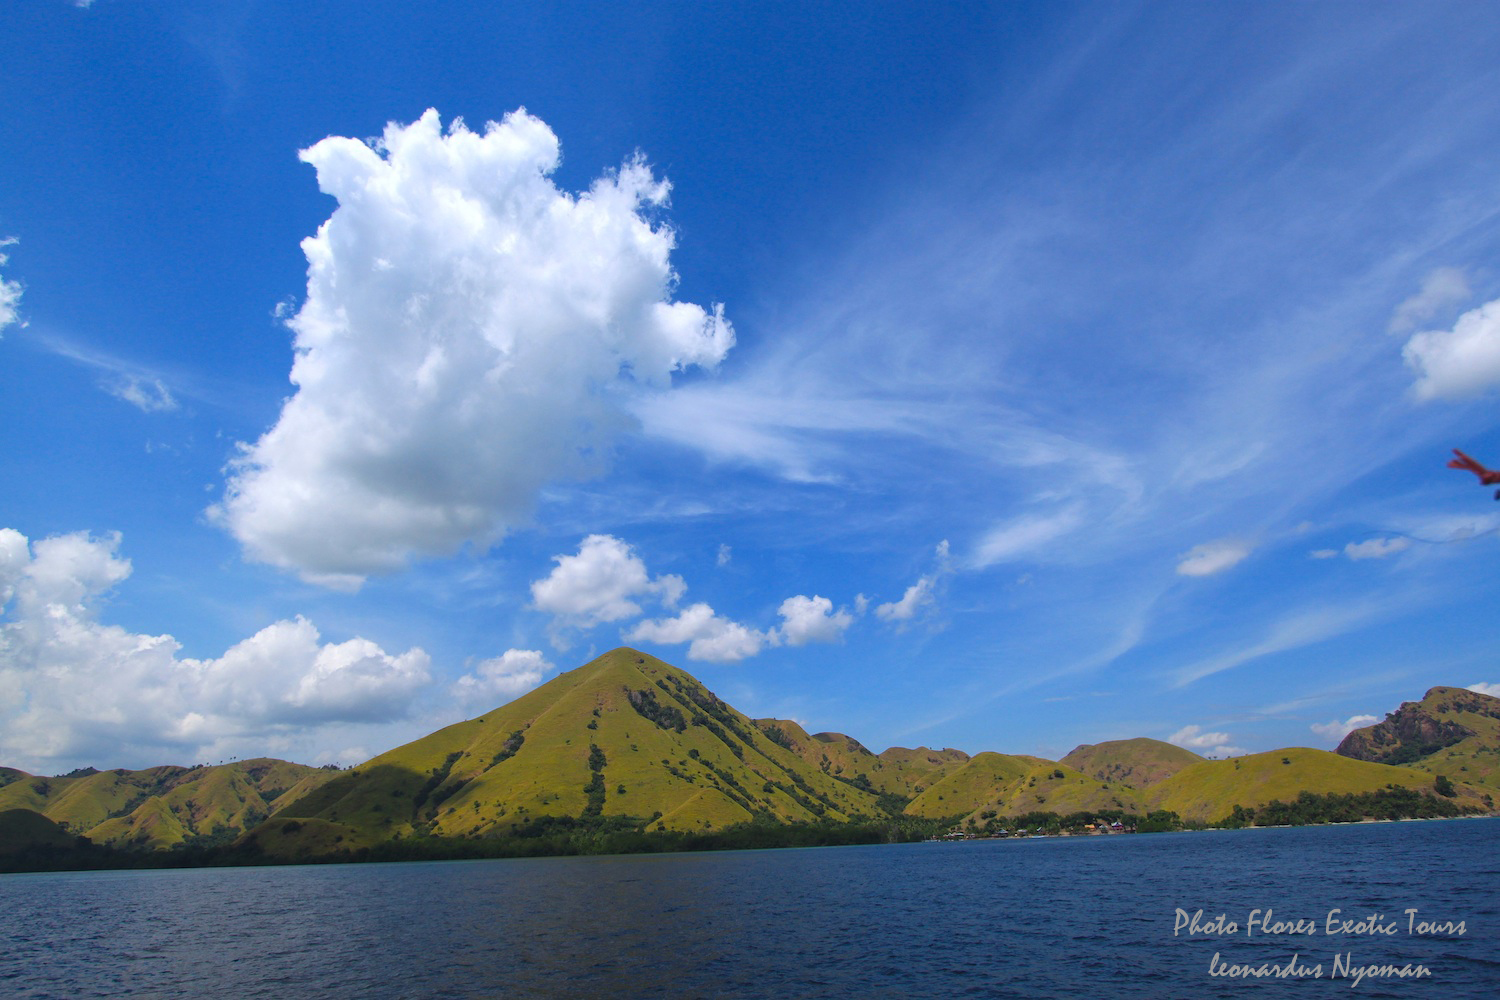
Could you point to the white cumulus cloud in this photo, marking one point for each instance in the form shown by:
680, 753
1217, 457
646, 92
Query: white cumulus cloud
812, 619
73, 687
502, 678
1213, 557
1493, 690
1335, 730
469, 334
712, 637
1195, 739
917, 597
1458, 363
606, 581
601, 583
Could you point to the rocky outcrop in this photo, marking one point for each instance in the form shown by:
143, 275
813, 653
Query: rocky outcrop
1415, 730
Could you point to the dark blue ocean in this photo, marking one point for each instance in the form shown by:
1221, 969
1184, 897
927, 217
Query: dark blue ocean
1079, 917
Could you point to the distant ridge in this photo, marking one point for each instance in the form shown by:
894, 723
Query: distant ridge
1138, 763
162, 807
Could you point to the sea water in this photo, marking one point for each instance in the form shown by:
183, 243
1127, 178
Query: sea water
1372, 910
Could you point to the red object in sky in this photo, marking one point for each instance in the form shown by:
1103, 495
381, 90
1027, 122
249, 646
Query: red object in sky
1488, 477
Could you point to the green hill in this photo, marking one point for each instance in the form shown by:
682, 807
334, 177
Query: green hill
625, 737
907, 772
1137, 763
25, 830
898, 773
166, 806
1451, 731
991, 784
1209, 790
831, 753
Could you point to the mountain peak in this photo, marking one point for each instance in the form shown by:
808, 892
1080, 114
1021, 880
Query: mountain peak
625, 738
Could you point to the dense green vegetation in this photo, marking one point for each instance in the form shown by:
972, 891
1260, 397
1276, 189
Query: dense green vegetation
594, 790
990, 824
543, 837
1308, 808
1388, 803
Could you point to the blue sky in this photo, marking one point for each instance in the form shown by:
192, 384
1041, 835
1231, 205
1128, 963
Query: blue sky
991, 376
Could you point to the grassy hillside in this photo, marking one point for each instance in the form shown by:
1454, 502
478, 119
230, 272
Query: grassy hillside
911, 772
166, 806
624, 736
991, 784
24, 830
1451, 731
1209, 790
832, 753
1137, 763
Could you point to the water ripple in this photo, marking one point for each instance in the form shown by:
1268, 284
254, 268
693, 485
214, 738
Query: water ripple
995, 919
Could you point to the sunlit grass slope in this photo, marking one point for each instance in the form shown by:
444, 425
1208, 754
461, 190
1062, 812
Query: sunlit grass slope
1006, 785
1209, 790
163, 806
832, 753
624, 735
910, 772
1136, 763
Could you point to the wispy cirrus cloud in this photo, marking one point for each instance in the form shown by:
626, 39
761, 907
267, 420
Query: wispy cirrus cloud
1371, 548
1376, 548
1025, 536
1296, 630
144, 388
1210, 558
1443, 287
148, 396
10, 291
